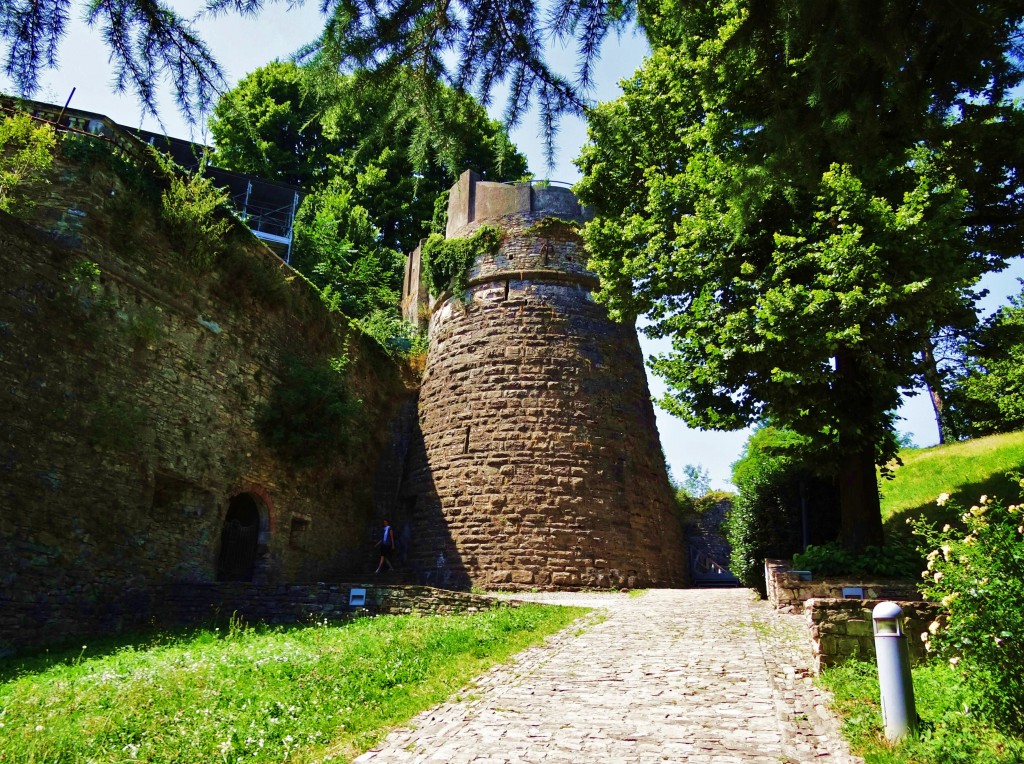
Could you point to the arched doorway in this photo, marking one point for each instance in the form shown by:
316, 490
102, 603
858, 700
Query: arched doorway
239, 539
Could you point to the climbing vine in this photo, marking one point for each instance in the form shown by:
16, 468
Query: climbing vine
312, 416
446, 261
556, 229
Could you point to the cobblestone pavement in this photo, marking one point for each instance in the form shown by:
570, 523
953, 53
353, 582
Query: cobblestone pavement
693, 675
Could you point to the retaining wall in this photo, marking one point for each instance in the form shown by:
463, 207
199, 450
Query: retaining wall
842, 629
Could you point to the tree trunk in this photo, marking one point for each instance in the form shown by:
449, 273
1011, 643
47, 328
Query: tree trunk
859, 506
933, 381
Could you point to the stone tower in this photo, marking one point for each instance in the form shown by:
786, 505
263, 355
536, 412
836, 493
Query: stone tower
539, 464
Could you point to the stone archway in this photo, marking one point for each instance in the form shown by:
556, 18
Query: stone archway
240, 538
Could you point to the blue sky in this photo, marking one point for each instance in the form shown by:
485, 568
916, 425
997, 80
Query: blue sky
241, 45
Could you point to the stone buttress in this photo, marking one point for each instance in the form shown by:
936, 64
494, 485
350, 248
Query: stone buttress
539, 464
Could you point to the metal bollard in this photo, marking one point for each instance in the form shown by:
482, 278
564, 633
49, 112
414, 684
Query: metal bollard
892, 653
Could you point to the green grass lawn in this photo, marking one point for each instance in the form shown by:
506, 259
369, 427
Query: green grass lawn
948, 733
301, 694
965, 470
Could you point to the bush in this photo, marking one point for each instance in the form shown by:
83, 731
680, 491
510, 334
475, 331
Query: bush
398, 337
195, 212
774, 483
978, 575
898, 559
26, 153
311, 416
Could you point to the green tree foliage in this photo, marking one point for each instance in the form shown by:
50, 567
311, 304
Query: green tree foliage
472, 46
988, 396
372, 174
797, 194
339, 248
148, 42
293, 124
26, 153
269, 125
776, 483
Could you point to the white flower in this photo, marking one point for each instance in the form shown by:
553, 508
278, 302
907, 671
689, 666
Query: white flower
983, 500
39, 728
943, 498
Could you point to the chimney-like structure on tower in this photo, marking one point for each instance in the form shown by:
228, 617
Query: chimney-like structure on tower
539, 464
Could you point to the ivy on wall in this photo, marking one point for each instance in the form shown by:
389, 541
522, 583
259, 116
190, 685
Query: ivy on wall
312, 416
447, 261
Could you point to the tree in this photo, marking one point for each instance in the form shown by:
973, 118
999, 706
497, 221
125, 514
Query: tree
148, 41
340, 250
491, 44
363, 139
269, 125
371, 171
988, 396
795, 193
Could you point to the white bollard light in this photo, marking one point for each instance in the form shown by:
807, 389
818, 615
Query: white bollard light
892, 654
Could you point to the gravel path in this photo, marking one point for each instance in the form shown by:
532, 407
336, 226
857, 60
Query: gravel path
692, 675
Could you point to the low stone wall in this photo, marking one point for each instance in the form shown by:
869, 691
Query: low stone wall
296, 603
788, 592
194, 604
841, 629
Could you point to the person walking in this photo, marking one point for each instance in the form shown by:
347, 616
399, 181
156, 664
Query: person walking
387, 547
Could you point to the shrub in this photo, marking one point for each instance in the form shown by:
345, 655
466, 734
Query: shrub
898, 559
26, 153
978, 575
194, 210
311, 416
398, 337
774, 484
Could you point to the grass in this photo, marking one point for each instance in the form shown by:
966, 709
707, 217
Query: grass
964, 470
301, 694
948, 732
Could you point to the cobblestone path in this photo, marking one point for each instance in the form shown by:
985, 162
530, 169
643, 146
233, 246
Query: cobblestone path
691, 675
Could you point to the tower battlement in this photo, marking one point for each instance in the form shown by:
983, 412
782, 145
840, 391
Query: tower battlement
473, 202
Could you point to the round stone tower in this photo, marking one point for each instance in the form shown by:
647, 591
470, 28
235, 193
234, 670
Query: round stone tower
539, 464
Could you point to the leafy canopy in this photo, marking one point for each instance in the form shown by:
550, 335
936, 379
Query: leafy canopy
988, 395
794, 193
372, 174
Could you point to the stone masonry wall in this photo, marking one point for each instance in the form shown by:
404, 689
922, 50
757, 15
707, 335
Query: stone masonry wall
540, 464
128, 415
787, 592
842, 629
175, 604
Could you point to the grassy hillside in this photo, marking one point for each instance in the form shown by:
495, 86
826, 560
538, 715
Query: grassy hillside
963, 470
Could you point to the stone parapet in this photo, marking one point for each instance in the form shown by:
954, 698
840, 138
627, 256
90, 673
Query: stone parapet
788, 590
473, 201
841, 629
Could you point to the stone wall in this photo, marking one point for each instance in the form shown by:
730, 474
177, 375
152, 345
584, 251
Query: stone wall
842, 629
788, 592
129, 406
175, 605
539, 463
